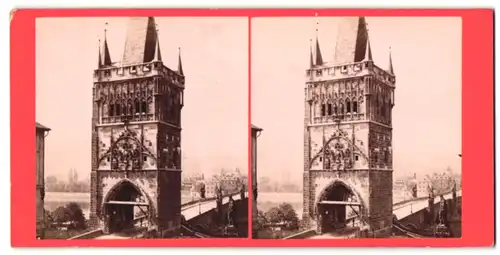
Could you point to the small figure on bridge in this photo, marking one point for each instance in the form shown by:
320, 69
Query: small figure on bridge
242, 191
230, 211
202, 192
443, 212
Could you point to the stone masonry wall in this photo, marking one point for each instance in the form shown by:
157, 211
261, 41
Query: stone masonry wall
380, 200
169, 200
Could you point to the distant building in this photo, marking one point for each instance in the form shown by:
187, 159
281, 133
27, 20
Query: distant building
423, 187
230, 183
41, 133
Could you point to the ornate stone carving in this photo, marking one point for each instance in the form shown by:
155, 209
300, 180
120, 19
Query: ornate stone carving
338, 152
337, 156
127, 152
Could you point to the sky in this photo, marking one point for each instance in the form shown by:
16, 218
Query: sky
215, 62
427, 60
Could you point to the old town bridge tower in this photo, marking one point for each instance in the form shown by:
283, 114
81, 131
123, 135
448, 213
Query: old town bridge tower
348, 136
136, 135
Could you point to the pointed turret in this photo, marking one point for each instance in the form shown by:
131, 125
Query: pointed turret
351, 40
140, 42
99, 62
157, 50
390, 69
319, 57
311, 61
179, 66
368, 52
107, 56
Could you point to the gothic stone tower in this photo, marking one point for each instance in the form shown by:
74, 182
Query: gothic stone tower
348, 134
136, 134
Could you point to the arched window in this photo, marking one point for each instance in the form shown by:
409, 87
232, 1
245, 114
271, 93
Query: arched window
322, 109
111, 110
348, 106
118, 109
355, 107
335, 109
137, 106
329, 109
144, 107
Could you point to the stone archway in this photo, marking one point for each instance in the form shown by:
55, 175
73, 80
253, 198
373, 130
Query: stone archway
125, 202
337, 203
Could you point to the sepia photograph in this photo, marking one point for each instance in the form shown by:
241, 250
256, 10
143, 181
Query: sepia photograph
356, 127
142, 127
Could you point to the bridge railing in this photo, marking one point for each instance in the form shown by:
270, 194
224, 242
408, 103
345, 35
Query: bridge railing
208, 199
421, 198
88, 235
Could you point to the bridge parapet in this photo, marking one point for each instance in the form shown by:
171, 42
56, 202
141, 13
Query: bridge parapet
88, 235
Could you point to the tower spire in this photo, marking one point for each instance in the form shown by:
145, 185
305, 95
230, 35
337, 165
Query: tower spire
99, 63
390, 69
368, 52
107, 56
319, 58
351, 40
140, 42
179, 66
311, 61
157, 56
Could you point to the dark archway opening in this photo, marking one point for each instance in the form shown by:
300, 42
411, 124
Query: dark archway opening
124, 205
337, 206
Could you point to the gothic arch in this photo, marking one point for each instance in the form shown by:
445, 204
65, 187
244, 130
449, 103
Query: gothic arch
117, 188
128, 138
338, 135
339, 183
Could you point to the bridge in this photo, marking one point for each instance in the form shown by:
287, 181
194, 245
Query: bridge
408, 215
194, 212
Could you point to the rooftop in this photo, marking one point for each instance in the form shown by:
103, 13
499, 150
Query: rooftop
41, 127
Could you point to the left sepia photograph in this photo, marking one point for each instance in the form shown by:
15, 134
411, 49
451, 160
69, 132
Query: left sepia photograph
142, 127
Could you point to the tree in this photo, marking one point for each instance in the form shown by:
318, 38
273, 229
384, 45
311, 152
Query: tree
60, 215
76, 215
289, 215
274, 215
261, 220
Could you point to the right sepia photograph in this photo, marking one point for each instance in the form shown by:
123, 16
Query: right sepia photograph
356, 127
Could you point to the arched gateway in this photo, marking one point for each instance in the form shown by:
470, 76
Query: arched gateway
337, 204
348, 135
125, 203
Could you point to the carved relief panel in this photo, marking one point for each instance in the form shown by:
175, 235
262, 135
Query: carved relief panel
126, 149
336, 149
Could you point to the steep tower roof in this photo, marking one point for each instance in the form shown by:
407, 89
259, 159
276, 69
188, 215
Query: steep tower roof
352, 40
319, 57
140, 43
391, 68
179, 65
311, 60
107, 56
99, 61
368, 52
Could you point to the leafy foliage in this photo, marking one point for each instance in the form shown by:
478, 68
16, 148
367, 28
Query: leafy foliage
71, 213
284, 213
